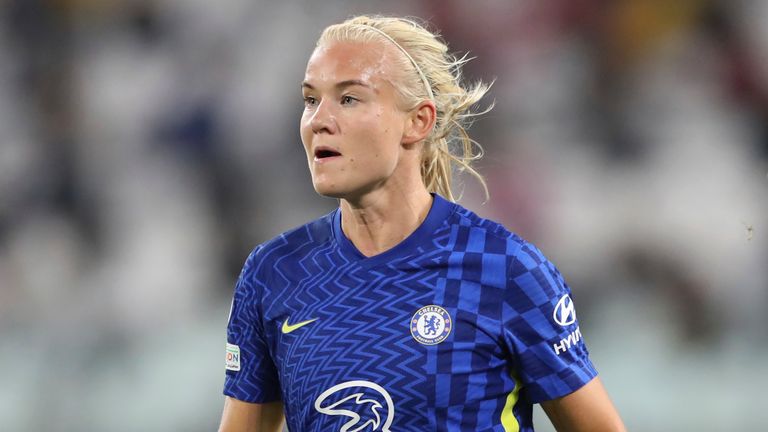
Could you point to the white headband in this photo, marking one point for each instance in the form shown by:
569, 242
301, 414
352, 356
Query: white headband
413, 62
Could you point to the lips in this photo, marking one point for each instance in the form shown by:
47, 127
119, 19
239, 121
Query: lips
324, 152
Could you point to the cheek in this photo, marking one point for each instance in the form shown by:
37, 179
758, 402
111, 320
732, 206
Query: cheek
381, 155
387, 139
305, 131
381, 126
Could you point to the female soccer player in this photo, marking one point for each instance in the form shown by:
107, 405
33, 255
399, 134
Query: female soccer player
400, 310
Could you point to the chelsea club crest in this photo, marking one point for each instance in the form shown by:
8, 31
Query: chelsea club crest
431, 325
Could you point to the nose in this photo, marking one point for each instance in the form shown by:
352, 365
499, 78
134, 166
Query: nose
323, 119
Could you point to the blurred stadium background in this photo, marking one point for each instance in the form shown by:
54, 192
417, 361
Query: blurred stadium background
147, 146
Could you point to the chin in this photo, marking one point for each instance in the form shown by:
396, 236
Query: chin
345, 187
330, 191
344, 192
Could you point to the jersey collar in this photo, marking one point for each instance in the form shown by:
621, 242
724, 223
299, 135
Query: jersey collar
438, 213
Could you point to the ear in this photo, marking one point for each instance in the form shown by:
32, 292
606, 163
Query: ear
419, 122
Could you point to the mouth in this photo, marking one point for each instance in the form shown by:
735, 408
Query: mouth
323, 152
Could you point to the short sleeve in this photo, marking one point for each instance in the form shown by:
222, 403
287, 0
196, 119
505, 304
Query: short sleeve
251, 375
541, 329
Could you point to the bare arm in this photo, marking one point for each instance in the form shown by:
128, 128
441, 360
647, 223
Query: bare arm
587, 409
242, 416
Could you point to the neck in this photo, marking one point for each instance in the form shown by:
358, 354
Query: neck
379, 221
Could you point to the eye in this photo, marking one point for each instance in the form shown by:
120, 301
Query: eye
347, 100
309, 101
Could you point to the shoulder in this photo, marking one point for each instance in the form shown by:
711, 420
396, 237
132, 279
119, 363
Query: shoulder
521, 258
290, 244
532, 281
478, 234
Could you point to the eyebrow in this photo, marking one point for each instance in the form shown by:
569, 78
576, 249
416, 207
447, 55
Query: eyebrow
341, 84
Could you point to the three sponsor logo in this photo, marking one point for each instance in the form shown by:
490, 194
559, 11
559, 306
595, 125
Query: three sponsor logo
432, 324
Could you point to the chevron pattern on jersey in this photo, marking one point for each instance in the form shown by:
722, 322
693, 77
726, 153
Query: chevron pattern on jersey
357, 363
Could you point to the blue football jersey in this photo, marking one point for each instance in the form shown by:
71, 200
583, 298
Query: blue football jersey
460, 327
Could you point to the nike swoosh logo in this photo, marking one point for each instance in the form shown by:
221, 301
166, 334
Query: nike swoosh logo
288, 328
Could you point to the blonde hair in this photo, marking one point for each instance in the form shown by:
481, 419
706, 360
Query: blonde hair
437, 77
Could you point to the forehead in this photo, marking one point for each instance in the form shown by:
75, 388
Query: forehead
332, 62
